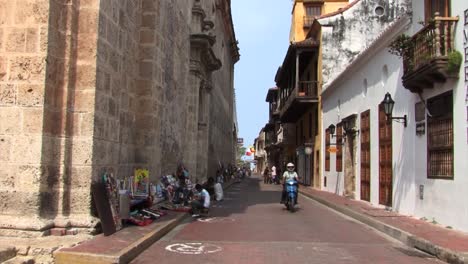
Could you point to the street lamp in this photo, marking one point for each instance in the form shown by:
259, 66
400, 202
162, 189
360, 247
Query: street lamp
308, 150
331, 128
388, 104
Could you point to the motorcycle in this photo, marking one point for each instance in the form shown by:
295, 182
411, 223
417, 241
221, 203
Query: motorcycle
291, 191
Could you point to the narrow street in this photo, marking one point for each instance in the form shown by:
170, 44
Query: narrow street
250, 226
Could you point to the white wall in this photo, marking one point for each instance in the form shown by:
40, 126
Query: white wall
444, 200
354, 98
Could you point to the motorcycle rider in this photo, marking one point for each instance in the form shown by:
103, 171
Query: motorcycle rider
288, 175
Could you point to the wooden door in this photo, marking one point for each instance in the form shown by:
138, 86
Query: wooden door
385, 159
365, 156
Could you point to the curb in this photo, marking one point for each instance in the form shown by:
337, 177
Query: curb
123, 256
406, 238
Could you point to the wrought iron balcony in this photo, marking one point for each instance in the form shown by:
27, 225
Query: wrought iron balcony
427, 57
295, 101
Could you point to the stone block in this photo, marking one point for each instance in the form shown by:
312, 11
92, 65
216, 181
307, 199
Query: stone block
86, 76
88, 21
146, 70
82, 151
29, 176
3, 68
81, 176
86, 127
18, 202
1, 39
150, 5
32, 120
87, 47
9, 120
32, 40
5, 147
32, 12
30, 94
147, 36
7, 95
28, 149
148, 21
53, 122
27, 69
58, 231
84, 101
43, 39
15, 40
8, 176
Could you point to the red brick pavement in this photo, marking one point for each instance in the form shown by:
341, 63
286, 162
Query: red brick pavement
440, 236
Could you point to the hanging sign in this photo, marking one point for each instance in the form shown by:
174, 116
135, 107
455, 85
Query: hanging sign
331, 149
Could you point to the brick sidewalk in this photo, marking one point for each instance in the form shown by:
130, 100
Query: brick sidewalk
448, 245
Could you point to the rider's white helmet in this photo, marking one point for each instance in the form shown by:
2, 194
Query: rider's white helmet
290, 166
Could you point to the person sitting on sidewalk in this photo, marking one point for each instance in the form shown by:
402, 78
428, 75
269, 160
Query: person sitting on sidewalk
202, 202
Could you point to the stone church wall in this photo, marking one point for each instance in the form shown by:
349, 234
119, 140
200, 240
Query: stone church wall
103, 85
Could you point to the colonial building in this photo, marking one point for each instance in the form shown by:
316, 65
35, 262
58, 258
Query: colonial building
297, 99
395, 125
260, 156
94, 86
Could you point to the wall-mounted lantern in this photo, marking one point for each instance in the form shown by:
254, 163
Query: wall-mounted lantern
308, 150
388, 104
349, 125
331, 129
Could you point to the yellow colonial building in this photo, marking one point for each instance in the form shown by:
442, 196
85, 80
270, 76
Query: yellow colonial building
293, 130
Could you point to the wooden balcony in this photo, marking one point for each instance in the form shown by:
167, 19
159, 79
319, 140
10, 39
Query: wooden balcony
426, 61
294, 102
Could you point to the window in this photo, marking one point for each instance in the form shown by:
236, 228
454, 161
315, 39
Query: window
327, 147
433, 6
313, 10
339, 147
440, 137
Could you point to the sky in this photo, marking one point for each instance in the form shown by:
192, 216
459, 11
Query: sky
262, 29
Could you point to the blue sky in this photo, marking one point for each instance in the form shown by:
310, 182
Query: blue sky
262, 29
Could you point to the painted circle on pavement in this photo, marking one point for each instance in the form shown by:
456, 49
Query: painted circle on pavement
215, 220
193, 248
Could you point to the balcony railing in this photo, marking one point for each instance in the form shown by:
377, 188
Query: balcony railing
433, 41
305, 89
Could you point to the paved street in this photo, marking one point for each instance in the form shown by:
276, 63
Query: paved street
250, 226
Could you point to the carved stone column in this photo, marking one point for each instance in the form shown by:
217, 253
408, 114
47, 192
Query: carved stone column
203, 62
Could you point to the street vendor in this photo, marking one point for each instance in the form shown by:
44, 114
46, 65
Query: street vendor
201, 203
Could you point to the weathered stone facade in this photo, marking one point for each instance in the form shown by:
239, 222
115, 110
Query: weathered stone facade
101, 85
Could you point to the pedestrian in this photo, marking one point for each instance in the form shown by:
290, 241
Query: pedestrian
218, 190
266, 172
209, 186
273, 174
202, 201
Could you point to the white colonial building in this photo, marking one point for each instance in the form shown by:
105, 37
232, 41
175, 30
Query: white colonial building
415, 163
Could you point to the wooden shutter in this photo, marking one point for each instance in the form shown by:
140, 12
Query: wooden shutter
365, 156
